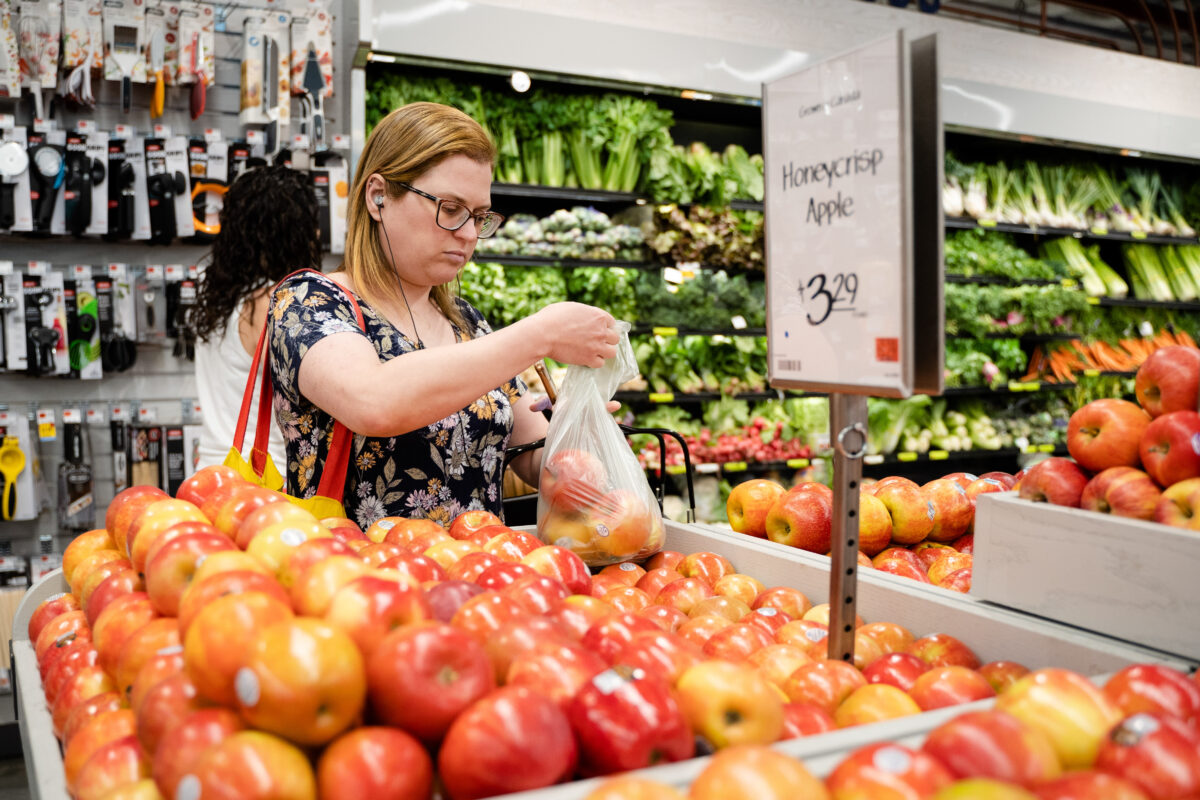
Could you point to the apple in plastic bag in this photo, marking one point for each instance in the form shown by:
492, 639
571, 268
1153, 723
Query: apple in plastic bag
572, 480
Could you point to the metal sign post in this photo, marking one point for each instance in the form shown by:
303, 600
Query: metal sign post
853, 174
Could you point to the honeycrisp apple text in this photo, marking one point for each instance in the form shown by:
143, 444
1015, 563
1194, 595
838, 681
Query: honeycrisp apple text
826, 173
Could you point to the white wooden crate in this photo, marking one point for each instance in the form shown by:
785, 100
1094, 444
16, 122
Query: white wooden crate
1124, 578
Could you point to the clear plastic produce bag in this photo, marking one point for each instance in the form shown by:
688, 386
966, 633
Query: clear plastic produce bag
593, 495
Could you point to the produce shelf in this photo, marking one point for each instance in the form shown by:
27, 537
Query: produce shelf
1096, 234
539, 261
999, 280
1019, 387
666, 330
872, 460
1029, 338
678, 398
529, 190
1130, 302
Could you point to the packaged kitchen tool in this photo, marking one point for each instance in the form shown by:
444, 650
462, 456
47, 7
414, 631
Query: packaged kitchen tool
312, 37
265, 86
16, 212
10, 54
125, 40
39, 28
593, 495
164, 16
83, 34
76, 501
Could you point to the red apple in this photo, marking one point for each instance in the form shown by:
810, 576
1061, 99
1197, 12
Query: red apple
1088, 785
182, 746
562, 565
706, 566
1005, 478
522, 637
1157, 753
993, 744
903, 568
824, 682
97, 732
218, 642
757, 772
802, 517
874, 703
468, 568
1056, 480
116, 764
1167, 381
556, 670
1179, 505
206, 590
683, 594
156, 636
609, 636
423, 676
169, 571
748, 505
953, 509
121, 512
511, 740
949, 686
888, 770
874, 524
737, 643
116, 623
1122, 492
50, 608
1003, 674
370, 606
800, 719
1155, 688
811, 637
165, 706
447, 597
896, 669
572, 480
942, 650
201, 484
1105, 433
376, 762
730, 704
86, 710
1170, 447
1065, 706
468, 522
250, 765
912, 511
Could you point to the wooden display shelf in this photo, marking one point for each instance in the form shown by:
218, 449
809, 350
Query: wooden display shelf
1123, 578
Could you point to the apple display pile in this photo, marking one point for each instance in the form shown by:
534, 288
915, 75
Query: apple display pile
226, 644
1138, 460
1054, 735
922, 532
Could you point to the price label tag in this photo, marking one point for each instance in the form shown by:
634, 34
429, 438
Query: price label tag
154, 272
1093, 301
938, 455
37, 267
738, 322
1138, 234
43, 125
255, 137
660, 331
5, 419
300, 141
95, 416
708, 469
7, 121
1045, 448
987, 223
1145, 328
873, 459
86, 126
1091, 373
735, 466
836, 138
175, 272
47, 425
72, 416
1029, 448
672, 275
1069, 283
906, 456
81, 271
799, 463
676, 469
212, 135
1099, 230
147, 414
117, 270
162, 131
123, 132
341, 141
120, 413
1015, 386
6, 267
662, 397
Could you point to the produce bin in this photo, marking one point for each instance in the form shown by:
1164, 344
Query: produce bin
993, 633
1123, 578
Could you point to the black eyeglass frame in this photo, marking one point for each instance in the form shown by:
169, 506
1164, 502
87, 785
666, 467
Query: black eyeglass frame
437, 217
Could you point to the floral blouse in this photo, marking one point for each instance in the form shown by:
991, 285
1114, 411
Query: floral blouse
436, 472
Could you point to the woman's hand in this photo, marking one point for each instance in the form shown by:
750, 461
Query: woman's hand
578, 334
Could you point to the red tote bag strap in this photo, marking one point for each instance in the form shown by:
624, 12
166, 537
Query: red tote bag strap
337, 462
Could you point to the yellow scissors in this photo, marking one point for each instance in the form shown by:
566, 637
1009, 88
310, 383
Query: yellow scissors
12, 463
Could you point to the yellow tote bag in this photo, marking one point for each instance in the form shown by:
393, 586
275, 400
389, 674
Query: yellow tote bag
260, 469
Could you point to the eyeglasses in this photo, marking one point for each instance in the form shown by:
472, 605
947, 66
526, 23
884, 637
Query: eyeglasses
452, 215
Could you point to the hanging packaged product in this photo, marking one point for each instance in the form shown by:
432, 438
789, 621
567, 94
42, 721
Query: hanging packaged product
118, 351
39, 29
97, 150
19, 465
119, 441
150, 299
197, 65
10, 54
13, 315
208, 194
16, 213
181, 299
175, 460
55, 317
177, 163
166, 185
83, 34
47, 168
125, 40
145, 456
266, 86
135, 194
76, 501
84, 169
312, 35
83, 328
164, 16
330, 182
39, 339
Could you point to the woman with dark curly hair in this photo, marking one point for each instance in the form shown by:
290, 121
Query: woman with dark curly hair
268, 229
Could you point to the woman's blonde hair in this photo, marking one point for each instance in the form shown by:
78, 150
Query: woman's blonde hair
403, 146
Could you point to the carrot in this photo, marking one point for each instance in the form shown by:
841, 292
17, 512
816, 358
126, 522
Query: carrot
1184, 338
1035, 364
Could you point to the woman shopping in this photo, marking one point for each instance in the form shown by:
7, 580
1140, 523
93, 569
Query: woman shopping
430, 392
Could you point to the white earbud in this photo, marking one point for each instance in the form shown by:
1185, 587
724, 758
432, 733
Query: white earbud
379, 200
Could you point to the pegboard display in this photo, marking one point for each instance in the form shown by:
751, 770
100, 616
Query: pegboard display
245, 48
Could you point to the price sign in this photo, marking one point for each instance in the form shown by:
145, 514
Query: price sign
840, 172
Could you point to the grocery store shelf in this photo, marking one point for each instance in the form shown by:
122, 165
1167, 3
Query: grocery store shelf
566, 194
1131, 302
664, 330
998, 280
1095, 234
539, 261
1019, 387
677, 398
1028, 338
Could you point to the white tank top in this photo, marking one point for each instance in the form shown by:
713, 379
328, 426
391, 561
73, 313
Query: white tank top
222, 365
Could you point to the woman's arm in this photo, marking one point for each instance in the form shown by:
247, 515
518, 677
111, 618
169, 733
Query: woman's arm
342, 373
528, 426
